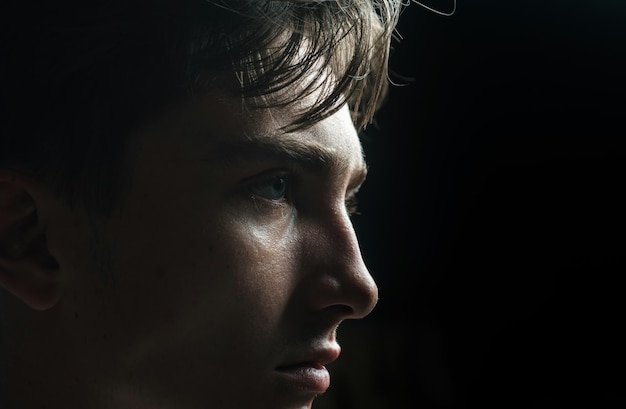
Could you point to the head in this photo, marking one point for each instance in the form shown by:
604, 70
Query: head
175, 188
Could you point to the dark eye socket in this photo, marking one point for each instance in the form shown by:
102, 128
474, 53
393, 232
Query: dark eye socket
271, 188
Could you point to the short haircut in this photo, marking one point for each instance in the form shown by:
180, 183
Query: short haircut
78, 76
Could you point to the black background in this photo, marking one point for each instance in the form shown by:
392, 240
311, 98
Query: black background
493, 218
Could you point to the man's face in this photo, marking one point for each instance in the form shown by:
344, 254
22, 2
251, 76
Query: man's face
223, 280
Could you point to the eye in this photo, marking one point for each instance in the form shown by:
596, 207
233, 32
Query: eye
271, 188
352, 204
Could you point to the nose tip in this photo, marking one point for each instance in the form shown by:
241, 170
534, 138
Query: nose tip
365, 295
341, 278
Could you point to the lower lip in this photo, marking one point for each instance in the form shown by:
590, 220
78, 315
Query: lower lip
312, 378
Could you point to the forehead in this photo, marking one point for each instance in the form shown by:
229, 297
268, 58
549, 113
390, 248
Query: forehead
222, 127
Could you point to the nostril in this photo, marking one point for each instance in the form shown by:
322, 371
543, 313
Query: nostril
356, 295
341, 311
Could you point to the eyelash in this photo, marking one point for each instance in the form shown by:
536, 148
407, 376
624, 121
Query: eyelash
352, 205
266, 198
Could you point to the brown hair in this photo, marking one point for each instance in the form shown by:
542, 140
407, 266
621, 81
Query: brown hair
78, 76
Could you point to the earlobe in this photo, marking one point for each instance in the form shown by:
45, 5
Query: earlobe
27, 269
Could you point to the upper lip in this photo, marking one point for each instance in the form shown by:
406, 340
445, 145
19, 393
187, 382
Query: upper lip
321, 356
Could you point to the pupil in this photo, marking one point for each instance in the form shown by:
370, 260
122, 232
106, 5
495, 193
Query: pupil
279, 185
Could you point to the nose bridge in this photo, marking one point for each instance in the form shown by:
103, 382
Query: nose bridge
338, 269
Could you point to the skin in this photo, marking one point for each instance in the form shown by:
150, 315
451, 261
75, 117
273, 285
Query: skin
234, 257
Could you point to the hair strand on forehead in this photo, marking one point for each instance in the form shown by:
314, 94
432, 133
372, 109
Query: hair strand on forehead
346, 42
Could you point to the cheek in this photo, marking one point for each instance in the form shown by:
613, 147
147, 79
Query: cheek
234, 270
266, 259
221, 289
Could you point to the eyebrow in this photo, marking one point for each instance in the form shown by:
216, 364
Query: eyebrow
309, 155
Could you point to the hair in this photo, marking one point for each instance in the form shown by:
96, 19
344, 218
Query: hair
78, 76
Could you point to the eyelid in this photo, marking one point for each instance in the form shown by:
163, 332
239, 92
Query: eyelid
265, 175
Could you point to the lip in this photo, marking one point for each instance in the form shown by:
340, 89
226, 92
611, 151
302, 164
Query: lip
308, 372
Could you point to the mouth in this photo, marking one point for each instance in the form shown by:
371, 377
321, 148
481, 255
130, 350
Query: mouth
310, 374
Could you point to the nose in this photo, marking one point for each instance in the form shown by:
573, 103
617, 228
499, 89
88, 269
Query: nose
336, 275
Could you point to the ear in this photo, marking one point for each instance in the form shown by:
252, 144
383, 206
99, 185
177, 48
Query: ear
27, 270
